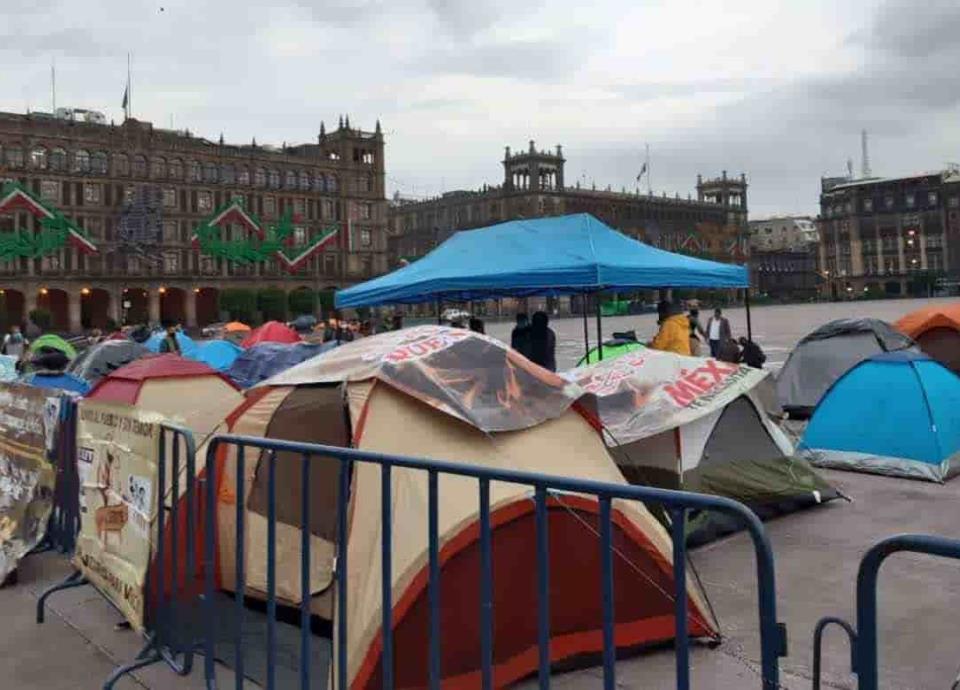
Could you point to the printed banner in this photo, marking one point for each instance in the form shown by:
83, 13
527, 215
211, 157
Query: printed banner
470, 376
648, 391
117, 447
28, 425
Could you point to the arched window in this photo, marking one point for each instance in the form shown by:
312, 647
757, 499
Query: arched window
158, 168
227, 174
58, 159
194, 172
81, 161
319, 181
98, 162
209, 172
14, 157
139, 166
332, 183
260, 177
274, 181
38, 158
121, 164
175, 169
243, 176
290, 180
304, 181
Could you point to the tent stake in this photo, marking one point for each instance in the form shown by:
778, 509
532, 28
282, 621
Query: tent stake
599, 331
746, 303
586, 330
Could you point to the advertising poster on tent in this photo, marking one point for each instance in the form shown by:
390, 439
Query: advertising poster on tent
117, 447
28, 426
646, 392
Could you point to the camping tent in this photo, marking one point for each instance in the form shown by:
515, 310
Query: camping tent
180, 389
187, 344
99, 360
217, 354
613, 348
894, 414
826, 354
450, 394
697, 424
260, 362
937, 332
271, 332
54, 342
58, 380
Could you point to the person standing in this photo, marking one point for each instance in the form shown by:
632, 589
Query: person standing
520, 337
14, 344
542, 342
170, 344
696, 330
674, 333
718, 332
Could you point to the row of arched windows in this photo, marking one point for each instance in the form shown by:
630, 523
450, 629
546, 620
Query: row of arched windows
82, 161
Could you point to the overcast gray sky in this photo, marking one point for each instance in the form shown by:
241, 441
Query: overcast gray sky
775, 89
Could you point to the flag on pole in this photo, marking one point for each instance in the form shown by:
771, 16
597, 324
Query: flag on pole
126, 97
643, 170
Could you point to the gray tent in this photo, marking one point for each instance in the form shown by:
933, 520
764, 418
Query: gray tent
105, 357
828, 353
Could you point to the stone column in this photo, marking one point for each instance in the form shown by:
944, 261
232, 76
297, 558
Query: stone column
153, 305
74, 310
29, 300
114, 308
190, 307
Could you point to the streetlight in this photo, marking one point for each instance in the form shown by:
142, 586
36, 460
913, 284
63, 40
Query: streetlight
44, 291
162, 290
85, 291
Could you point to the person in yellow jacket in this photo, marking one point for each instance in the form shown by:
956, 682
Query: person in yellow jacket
674, 333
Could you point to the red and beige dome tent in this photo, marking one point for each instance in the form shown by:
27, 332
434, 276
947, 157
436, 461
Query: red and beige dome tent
449, 394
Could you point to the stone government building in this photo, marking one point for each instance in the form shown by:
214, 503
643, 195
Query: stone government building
714, 225
882, 233
139, 192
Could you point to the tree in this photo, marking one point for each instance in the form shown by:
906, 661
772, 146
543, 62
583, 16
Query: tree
42, 318
326, 302
302, 301
272, 303
239, 303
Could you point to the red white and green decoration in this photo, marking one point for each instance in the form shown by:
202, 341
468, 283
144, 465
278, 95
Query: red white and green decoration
262, 242
56, 230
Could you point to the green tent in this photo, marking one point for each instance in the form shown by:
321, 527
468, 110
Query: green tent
611, 350
53, 341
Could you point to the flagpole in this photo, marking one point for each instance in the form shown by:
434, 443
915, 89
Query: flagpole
129, 99
53, 86
649, 186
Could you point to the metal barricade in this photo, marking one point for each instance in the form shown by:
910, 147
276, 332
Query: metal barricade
863, 638
772, 633
173, 588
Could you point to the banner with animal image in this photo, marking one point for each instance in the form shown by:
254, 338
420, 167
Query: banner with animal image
117, 452
29, 420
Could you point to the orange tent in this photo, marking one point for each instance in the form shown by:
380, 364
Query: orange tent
236, 327
937, 332
446, 393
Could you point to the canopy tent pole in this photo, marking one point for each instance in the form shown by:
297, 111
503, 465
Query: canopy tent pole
586, 330
599, 331
746, 303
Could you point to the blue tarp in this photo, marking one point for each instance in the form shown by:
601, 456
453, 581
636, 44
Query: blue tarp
59, 381
260, 362
217, 354
187, 345
545, 256
895, 413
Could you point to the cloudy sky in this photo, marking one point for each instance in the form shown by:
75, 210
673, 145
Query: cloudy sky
778, 90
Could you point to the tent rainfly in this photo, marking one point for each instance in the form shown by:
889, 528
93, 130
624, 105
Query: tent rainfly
937, 332
99, 360
697, 424
450, 394
271, 332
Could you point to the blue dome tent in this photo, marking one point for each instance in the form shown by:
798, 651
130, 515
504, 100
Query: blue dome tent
217, 354
187, 344
260, 362
894, 414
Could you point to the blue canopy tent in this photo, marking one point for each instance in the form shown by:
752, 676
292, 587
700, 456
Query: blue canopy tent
564, 255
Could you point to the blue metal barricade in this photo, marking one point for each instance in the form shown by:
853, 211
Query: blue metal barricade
863, 639
173, 590
772, 634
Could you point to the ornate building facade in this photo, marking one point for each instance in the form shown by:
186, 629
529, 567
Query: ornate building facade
884, 234
140, 194
713, 225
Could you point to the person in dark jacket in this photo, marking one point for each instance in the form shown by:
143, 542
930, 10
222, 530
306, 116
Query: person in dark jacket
543, 342
718, 332
752, 355
520, 337
476, 325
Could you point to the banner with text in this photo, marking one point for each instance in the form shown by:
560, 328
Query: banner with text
29, 420
117, 450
